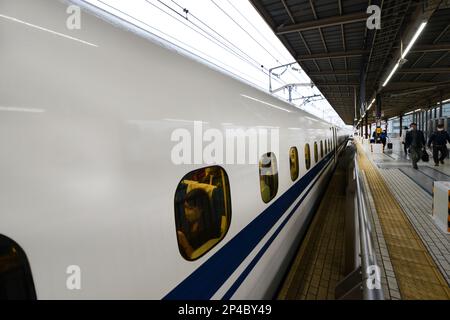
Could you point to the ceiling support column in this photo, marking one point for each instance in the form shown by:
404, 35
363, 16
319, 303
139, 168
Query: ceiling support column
401, 124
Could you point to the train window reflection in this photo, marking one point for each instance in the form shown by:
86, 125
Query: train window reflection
316, 153
321, 149
202, 211
16, 281
293, 163
307, 157
268, 176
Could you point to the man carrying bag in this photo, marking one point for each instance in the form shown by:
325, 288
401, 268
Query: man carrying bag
439, 140
415, 141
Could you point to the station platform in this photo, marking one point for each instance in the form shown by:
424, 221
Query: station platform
412, 252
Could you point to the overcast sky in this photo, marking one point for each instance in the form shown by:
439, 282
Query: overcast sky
228, 33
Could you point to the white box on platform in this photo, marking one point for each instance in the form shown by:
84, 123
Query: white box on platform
376, 148
441, 205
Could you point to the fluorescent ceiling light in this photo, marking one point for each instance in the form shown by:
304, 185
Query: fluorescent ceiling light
370, 105
408, 48
391, 74
448, 100
413, 40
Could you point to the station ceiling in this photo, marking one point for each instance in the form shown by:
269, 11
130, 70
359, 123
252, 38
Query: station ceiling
347, 61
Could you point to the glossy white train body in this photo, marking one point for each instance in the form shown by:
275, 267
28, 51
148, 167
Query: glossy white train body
86, 176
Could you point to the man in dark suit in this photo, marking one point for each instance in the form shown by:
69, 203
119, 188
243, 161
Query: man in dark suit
415, 141
439, 139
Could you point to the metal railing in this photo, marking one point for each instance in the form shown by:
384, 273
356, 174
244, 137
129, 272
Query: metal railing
364, 275
371, 272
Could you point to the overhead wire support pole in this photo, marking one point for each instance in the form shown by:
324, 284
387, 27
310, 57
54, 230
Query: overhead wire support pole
356, 106
291, 85
271, 71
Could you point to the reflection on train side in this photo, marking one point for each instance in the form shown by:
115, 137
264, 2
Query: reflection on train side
268, 176
202, 211
293, 163
307, 157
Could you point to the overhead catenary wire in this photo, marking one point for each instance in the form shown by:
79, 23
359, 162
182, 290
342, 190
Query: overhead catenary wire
256, 41
187, 47
257, 30
189, 13
213, 39
204, 33
243, 29
190, 48
185, 10
235, 22
206, 25
181, 18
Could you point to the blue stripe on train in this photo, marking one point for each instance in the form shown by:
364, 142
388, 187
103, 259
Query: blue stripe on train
266, 246
210, 276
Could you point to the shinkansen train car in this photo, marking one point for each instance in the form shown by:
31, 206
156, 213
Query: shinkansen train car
112, 183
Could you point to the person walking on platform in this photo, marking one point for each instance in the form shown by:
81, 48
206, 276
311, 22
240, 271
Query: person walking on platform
439, 139
415, 141
377, 135
405, 131
383, 138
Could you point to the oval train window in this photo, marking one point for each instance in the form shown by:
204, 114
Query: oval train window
321, 149
316, 153
293, 163
202, 211
268, 176
307, 156
16, 281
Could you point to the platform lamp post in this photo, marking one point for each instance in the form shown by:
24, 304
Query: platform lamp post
418, 120
378, 110
366, 120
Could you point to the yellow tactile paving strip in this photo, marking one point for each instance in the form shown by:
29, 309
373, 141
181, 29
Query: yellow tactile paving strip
417, 274
319, 263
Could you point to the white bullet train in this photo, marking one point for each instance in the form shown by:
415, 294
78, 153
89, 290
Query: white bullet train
93, 204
